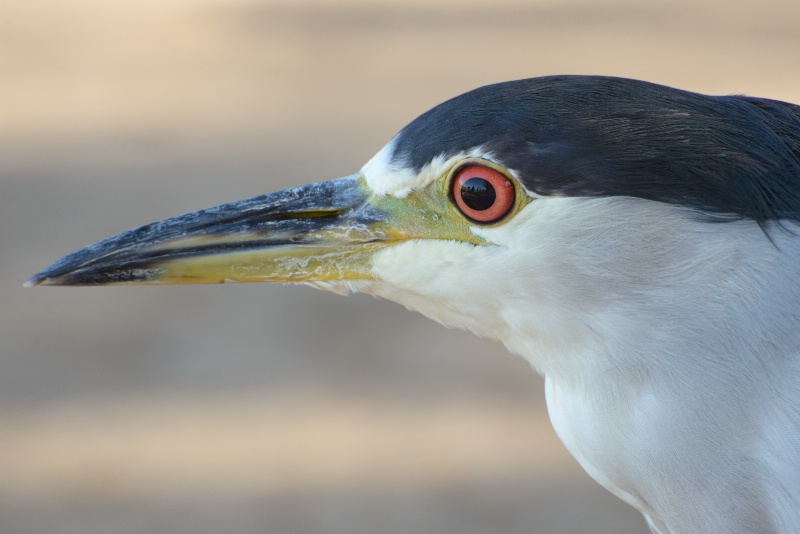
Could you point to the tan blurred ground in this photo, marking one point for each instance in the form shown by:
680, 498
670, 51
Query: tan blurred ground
274, 409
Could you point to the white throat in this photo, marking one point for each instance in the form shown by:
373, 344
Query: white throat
637, 312
572, 284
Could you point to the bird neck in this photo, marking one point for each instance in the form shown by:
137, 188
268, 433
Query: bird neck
661, 334
627, 290
581, 287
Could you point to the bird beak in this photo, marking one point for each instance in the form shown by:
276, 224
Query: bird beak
322, 232
316, 232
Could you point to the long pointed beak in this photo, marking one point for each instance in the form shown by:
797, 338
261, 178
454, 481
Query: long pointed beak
319, 232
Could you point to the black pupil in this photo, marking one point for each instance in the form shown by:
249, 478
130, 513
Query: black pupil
478, 193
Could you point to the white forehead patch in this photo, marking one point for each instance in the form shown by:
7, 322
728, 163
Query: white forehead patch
386, 178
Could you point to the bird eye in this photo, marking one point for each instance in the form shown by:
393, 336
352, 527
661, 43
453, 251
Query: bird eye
482, 193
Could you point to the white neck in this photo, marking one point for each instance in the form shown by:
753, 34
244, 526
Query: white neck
583, 284
645, 320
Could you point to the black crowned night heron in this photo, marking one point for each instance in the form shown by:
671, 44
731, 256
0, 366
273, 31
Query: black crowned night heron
637, 244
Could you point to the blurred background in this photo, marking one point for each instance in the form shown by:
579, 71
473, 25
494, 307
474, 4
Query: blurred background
259, 408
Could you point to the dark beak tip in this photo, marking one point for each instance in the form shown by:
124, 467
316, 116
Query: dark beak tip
55, 275
34, 281
39, 279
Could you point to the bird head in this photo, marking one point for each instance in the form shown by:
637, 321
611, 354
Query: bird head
509, 210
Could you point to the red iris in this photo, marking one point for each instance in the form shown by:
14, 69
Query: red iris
483, 194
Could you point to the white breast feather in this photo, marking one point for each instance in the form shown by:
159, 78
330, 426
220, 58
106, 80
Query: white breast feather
660, 334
